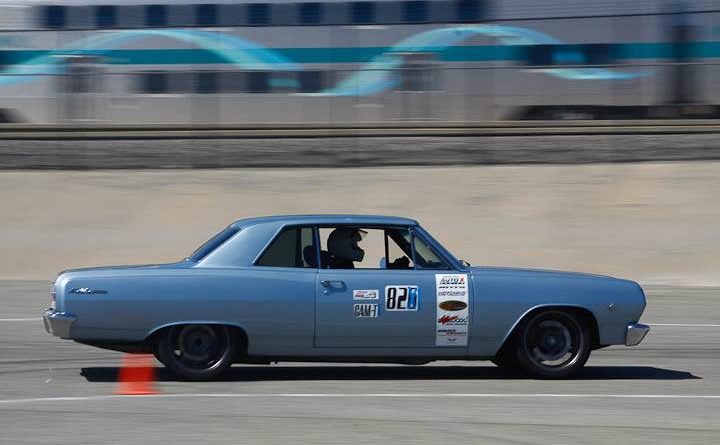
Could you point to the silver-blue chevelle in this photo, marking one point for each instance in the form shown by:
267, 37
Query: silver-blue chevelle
343, 288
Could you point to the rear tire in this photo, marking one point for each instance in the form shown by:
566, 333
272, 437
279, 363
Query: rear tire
196, 351
553, 344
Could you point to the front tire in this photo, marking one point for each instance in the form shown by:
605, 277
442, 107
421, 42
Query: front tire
196, 351
553, 344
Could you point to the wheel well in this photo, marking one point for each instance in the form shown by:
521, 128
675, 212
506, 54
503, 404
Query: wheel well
584, 316
237, 333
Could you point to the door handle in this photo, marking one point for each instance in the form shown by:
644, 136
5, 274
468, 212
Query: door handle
332, 283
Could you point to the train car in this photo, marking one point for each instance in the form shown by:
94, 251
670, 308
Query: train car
346, 62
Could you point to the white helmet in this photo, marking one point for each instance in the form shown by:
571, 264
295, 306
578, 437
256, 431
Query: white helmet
343, 243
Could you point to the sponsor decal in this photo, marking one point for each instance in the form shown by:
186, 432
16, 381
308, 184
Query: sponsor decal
365, 310
453, 311
366, 294
452, 320
452, 305
402, 298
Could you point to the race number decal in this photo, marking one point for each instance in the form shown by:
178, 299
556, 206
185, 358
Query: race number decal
402, 298
453, 310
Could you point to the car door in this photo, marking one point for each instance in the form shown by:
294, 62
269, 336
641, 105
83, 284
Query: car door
389, 308
375, 308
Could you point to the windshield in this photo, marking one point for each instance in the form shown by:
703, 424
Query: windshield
213, 244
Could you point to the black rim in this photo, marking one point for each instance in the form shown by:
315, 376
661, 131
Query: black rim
553, 341
198, 347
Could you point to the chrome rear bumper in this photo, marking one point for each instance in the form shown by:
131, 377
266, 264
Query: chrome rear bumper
635, 333
58, 323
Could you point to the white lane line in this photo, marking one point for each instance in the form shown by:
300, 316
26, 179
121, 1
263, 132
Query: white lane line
686, 325
370, 395
20, 319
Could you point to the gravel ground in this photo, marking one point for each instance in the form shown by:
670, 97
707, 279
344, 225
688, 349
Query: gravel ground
366, 151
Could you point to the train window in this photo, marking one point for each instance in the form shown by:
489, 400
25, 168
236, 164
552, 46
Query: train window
539, 55
311, 81
588, 54
54, 16
206, 15
468, 10
310, 13
258, 13
154, 83
258, 82
415, 11
206, 82
156, 15
105, 16
232, 81
598, 54
362, 13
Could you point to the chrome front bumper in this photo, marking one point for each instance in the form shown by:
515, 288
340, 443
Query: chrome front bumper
635, 333
58, 323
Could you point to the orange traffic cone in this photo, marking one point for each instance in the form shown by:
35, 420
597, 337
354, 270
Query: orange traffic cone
137, 375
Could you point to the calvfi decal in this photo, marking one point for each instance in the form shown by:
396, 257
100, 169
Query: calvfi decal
453, 310
365, 294
402, 298
365, 310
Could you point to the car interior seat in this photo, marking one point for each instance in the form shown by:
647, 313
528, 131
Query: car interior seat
311, 260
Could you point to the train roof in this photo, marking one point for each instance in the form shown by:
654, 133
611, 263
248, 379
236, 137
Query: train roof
498, 9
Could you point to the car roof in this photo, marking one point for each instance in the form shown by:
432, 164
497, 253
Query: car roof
360, 220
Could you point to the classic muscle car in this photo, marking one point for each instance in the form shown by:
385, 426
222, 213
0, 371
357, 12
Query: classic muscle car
343, 288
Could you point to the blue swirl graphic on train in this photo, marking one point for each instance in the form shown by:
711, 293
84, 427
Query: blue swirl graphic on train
374, 77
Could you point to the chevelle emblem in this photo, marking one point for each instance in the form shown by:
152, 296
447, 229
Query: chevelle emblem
87, 290
452, 305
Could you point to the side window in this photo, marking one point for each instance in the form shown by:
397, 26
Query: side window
310, 13
258, 82
206, 82
362, 13
153, 83
206, 14
415, 11
399, 253
156, 15
345, 247
293, 247
468, 11
105, 16
54, 17
425, 256
258, 14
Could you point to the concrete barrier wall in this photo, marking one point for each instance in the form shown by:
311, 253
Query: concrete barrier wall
653, 222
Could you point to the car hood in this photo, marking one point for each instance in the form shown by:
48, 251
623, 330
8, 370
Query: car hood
539, 273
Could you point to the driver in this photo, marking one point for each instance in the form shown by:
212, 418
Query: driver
343, 247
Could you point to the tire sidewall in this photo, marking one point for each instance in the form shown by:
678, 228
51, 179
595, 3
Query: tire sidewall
165, 354
578, 359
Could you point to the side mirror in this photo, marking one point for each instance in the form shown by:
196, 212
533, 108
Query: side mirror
383, 263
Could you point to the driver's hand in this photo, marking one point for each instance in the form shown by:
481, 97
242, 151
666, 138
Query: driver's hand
400, 263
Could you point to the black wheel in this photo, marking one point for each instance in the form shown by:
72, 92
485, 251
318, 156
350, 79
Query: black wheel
196, 351
553, 344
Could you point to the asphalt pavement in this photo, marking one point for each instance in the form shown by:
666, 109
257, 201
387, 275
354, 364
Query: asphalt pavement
665, 391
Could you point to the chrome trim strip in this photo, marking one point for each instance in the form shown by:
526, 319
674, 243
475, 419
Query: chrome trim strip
636, 332
58, 323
